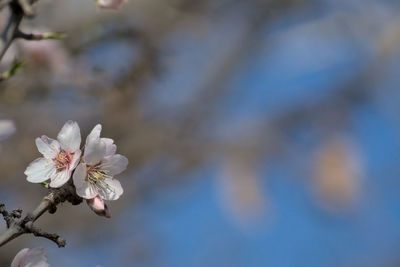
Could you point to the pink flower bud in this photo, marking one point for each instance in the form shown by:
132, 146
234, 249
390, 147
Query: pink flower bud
98, 206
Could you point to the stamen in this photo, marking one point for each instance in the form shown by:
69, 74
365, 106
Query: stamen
96, 176
63, 160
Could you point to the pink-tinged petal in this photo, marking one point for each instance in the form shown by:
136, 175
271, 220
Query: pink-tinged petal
75, 159
40, 170
114, 164
48, 147
95, 150
94, 134
30, 258
70, 136
19, 258
97, 205
83, 188
112, 191
111, 148
60, 178
79, 176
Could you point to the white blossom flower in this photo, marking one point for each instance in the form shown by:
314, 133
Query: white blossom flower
7, 128
94, 176
110, 4
34, 257
60, 156
97, 205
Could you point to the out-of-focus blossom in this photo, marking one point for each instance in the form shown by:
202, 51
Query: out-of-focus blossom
50, 55
34, 257
338, 171
94, 176
60, 156
98, 206
110, 4
7, 128
240, 190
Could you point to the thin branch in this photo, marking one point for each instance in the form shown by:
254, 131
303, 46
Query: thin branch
18, 9
39, 232
40, 36
27, 8
7, 217
11, 29
16, 67
17, 226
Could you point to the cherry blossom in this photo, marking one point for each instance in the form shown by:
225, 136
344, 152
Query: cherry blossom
60, 157
94, 175
34, 257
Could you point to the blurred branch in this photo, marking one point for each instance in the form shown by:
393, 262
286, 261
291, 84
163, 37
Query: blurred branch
18, 9
17, 227
40, 36
16, 67
11, 29
4, 3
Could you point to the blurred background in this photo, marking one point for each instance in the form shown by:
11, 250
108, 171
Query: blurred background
259, 133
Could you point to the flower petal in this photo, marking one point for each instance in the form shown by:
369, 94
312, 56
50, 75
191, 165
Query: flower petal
97, 205
70, 136
35, 257
111, 148
40, 170
75, 159
48, 147
112, 191
95, 150
94, 134
83, 188
60, 178
19, 258
114, 164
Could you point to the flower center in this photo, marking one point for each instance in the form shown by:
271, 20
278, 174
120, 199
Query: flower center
95, 174
63, 160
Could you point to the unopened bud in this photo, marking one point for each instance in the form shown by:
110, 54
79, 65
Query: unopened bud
98, 206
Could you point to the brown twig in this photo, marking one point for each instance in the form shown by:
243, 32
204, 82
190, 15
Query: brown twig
39, 232
18, 9
18, 226
11, 29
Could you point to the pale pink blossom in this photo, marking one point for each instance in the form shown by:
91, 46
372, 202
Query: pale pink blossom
98, 206
7, 128
48, 54
34, 257
110, 4
94, 176
60, 157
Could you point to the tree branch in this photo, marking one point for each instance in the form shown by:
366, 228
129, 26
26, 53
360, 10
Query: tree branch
17, 226
11, 29
39, 232
18, 9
